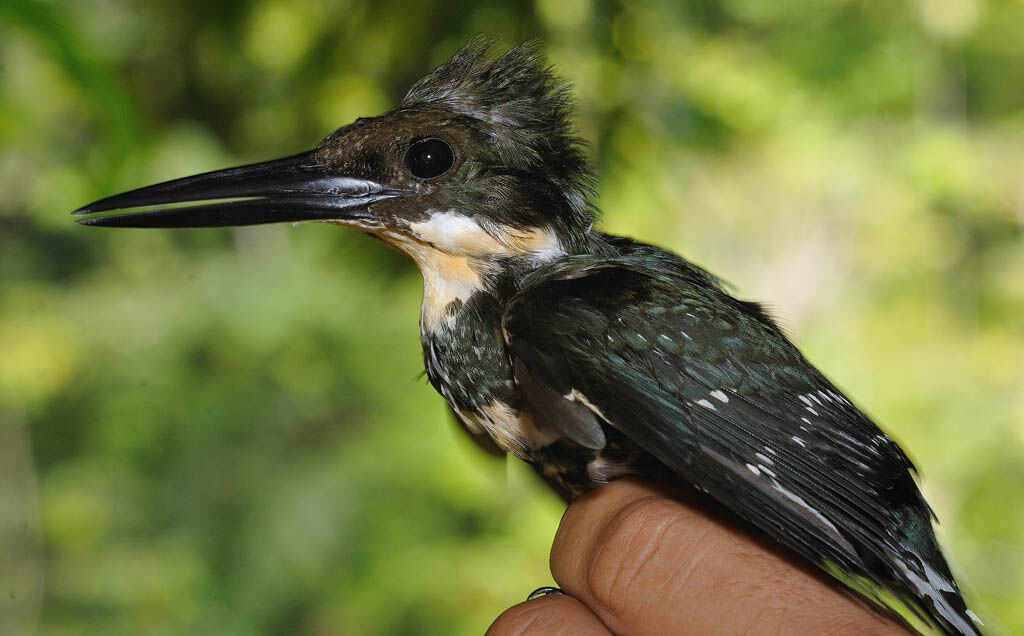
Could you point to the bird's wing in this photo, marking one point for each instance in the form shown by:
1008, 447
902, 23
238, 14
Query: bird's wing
710, 387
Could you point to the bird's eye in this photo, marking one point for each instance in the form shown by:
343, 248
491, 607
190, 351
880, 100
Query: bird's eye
429, 158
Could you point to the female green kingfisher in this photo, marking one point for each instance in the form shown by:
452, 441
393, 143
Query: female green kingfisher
590, 356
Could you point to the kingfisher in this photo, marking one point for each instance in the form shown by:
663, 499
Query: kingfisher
590, 356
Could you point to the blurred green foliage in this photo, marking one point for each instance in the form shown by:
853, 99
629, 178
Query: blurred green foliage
224, 431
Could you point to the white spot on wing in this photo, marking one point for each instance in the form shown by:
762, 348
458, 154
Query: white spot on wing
799, 441
706, 404
799, 501
931, 585
754, 470
582, 399
720, 395
838, 397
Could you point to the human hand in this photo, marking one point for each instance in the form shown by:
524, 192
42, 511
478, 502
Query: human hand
634, 561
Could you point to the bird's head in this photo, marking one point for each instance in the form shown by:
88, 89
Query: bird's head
476, 167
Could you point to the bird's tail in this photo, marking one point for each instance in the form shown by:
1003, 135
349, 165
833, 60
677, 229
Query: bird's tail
928, 579
938, 595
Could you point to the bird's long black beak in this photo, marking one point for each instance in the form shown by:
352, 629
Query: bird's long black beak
296, 188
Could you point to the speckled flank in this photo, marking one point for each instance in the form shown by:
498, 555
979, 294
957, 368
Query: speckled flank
513, 430
466, 360
468, 363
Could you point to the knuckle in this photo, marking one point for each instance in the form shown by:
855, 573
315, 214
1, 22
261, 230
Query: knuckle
517, 620
621, 553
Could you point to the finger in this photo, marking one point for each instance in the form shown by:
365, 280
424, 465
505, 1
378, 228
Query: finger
555, 615
646, 563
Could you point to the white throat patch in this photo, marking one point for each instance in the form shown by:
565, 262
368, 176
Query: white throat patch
456, 233
453, 252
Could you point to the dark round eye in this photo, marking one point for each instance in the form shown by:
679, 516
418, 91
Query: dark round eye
429, 158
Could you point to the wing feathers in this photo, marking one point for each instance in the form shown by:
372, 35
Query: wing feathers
712, 389
569, 417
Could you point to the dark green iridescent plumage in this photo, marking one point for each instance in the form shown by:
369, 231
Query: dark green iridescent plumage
711, 388
590, 356
690, 384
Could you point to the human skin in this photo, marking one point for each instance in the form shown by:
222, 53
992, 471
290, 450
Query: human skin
635, 559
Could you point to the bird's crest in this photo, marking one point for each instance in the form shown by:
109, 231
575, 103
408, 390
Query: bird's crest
516, 89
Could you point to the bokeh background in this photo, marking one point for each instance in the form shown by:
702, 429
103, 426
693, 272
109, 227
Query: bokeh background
225, 431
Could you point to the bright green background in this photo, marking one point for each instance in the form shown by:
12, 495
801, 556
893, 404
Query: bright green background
224, 431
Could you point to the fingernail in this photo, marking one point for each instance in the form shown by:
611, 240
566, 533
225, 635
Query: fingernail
543, 591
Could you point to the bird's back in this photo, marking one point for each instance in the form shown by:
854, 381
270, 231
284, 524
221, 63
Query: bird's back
631, 361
